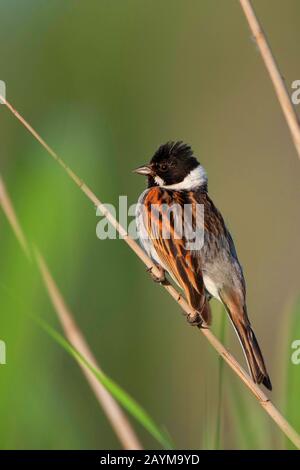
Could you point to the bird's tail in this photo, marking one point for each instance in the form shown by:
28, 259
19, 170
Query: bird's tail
249, 344
253, 355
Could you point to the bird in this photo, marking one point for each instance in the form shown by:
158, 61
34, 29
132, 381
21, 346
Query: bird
212, 270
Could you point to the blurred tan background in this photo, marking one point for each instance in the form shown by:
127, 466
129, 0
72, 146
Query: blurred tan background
105, 83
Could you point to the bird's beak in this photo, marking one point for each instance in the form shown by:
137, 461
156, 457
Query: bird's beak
143, 170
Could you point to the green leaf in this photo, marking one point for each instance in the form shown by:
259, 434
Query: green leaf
116, 391
293, 371
251, 426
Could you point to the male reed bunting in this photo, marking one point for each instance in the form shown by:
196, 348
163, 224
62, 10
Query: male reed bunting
175, 178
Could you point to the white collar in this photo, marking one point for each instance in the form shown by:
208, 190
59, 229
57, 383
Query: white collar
196, 178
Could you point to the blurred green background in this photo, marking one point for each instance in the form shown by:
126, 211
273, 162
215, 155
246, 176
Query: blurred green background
106, 82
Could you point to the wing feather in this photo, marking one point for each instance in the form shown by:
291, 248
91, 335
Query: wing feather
184, 267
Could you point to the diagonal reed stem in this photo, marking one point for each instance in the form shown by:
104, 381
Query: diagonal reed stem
260, 396
222, 336
275, 75
8, 210
114, 413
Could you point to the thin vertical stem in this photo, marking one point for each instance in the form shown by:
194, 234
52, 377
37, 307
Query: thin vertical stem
222, 336
273, 69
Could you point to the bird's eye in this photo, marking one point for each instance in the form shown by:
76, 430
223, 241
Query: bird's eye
163, 167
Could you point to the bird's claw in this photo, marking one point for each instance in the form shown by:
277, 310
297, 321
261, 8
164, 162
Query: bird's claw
161, 279
195, 319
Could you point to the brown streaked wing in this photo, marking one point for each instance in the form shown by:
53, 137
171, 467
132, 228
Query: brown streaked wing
170, 247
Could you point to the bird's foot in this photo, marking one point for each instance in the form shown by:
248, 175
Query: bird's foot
161, 279
196, 319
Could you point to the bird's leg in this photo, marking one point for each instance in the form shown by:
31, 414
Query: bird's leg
161, 279
195, 318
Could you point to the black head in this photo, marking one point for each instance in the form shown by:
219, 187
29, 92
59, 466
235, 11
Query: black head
172, 164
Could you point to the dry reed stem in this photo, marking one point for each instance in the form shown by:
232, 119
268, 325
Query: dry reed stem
275, 75
8, 209
262, 399
114, 413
